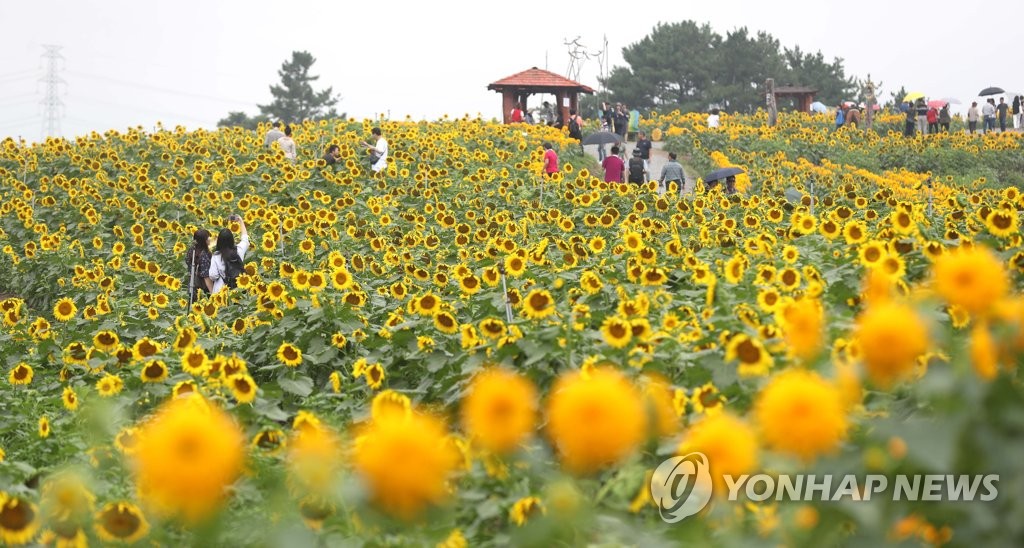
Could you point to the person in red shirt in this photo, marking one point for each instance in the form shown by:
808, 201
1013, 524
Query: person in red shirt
550, 160
933, 120
516, 116
614, 168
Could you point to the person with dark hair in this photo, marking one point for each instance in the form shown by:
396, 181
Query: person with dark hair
614, 167
621, 120
332, 155
933, 120
287, 144
515, 116
672, 172
1001, 110
644, 145
575, 125
921, 109
911, 123
988, 114
945, 118
378, 151
550, 160
972, 118
637, 173
273, 135
197, 261
226, 264
1015, 110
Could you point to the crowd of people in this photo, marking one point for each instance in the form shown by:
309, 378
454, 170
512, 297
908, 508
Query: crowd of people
281, 135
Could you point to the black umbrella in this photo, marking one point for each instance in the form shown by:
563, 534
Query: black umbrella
720, 174
602, 138
990, 91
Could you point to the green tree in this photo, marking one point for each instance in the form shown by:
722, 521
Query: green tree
294, 98
812, 70
241, 119
673, 66
742, 64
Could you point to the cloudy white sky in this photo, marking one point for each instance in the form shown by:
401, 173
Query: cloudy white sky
189, 62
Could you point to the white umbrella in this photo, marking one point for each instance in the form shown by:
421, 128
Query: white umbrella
818, 106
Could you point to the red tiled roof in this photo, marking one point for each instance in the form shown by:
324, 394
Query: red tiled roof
538, 78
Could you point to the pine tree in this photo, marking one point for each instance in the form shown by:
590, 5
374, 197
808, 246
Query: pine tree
294, 99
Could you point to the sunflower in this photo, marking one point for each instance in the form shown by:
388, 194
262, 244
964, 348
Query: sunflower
109, 385
389, 402
595, 420
446, 323
289, 354
902, 222
153, 371
21, 374
500, 410
524, 509
802, 323
470, 285
538, 304
753, 359
44, 427
188, 453
427, 304
64, 309
493, 328
729, 443
19, 520
855, 232
185, 339
871, 253
121, 522
802, 414
195, 362
971, 278
890, 336
243, 387
341, 279
268, 440
106, 341
69, 398
1002, 222
616, 331
515, 265
374, 375
405, 462
146, 347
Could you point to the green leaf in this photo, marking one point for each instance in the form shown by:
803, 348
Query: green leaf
301, 386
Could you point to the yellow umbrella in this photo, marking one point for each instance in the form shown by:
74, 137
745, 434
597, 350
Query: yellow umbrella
913, 96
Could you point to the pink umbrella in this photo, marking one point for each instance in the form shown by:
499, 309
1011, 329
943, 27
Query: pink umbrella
875, 107
937, 103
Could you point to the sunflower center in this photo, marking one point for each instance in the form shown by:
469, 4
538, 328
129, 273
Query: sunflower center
120, 524
15, 515
748, 352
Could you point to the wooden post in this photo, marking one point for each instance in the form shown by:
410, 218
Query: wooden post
508, 100
869, 103
769, 97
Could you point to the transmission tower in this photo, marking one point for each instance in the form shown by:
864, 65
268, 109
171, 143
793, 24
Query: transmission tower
53, 107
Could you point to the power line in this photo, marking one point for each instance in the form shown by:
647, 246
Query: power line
52, 105
137, 108
159, 89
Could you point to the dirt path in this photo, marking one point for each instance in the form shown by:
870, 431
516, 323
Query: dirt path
658, 159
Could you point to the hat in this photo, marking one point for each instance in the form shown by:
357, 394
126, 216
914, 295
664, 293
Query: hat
636, 152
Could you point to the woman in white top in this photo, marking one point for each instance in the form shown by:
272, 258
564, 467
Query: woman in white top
287, 144
226, 263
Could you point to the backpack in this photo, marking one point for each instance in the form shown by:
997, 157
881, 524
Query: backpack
840, 118
233, 269
636, 170
574, 127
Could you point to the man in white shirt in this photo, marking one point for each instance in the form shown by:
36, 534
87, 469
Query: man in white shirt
379, 151
273, 135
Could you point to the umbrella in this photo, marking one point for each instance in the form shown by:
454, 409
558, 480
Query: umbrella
952, 100
990, 91
818, 106
937, 103
913, 96
602, 138
849, 103
720, 174
875, 107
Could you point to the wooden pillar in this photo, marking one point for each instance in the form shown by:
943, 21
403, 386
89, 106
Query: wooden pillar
574, 102
508, 100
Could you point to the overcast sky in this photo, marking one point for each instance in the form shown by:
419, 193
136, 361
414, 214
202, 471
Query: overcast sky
190, 62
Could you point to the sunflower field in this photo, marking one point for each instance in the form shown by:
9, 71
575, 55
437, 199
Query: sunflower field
458, 351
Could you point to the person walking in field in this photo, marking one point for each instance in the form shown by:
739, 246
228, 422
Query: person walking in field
227, 262
637, 173
933, 120
972, 118
910, 125
988, 115
671, 172
921, 108
614, 167
550, 160
644, 145
944, 118
1002, 110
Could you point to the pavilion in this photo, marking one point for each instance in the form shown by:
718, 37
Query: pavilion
518, 87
